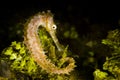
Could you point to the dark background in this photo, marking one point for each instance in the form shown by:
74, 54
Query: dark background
98, 11
81, 13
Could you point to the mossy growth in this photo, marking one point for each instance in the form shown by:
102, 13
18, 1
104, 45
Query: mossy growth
102, 75
111, 66
20, 61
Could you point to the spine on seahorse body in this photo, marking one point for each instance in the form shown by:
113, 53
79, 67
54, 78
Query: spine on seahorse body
34, 45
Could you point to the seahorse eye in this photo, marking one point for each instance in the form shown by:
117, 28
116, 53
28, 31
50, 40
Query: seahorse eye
54, 27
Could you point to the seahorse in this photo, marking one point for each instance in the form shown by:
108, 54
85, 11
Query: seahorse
33, 43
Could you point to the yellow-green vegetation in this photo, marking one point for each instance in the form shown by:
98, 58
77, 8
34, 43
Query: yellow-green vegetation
113, 39
112, 63
19, 59
72, 34
99, 74
2, 78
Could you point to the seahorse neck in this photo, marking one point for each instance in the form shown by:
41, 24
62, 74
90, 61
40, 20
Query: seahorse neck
33, 42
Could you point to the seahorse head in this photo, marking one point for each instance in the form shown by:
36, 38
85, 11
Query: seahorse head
48, 23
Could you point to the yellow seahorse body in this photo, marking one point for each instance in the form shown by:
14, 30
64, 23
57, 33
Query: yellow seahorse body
32, 42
